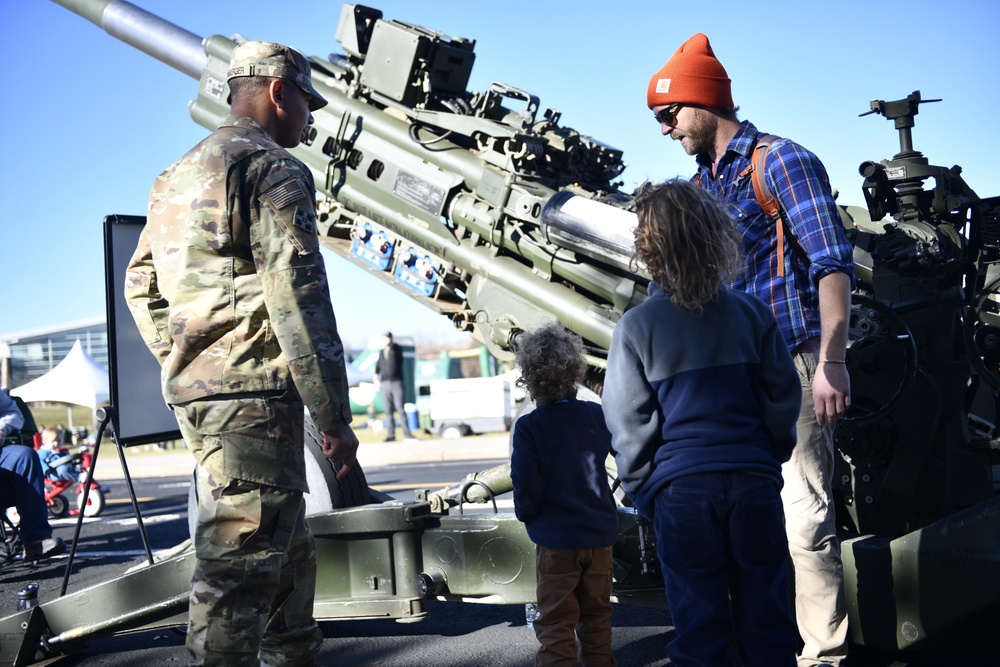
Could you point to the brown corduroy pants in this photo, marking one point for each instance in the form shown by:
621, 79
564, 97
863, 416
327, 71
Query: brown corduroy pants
573, 594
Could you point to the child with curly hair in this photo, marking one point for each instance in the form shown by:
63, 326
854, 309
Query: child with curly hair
561, 493
702, 400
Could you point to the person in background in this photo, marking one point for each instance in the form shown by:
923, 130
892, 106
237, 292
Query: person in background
802, 267
22, 486
561, 493
389, 381
228, 288
701, 397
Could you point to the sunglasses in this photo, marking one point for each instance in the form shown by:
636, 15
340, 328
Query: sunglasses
668, 114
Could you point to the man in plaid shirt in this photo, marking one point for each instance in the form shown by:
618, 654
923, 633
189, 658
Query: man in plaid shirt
805, 275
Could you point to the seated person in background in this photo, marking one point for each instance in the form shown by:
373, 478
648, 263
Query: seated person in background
22, 486
51, 452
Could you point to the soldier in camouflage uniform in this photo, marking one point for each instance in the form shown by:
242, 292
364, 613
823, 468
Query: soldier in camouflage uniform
229, 291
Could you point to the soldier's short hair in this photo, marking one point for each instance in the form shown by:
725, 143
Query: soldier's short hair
248, 87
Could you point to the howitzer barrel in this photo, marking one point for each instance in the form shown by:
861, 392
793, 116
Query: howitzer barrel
147, 32
501, 247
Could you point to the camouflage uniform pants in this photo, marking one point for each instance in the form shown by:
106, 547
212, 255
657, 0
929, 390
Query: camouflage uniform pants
254, 582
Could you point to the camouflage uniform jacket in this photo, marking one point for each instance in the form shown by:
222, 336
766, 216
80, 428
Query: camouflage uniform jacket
227, 285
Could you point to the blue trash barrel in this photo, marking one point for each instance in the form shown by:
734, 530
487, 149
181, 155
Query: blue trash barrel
412, 418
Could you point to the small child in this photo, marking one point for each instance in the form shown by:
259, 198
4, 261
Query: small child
702, 399
561, 493
50, 451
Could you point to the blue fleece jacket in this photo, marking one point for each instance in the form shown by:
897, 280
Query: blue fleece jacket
691, 393
557, 465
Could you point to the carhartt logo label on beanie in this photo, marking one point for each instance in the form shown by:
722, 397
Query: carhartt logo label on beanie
693, 75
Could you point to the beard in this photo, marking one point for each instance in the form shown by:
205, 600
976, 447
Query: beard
700, 133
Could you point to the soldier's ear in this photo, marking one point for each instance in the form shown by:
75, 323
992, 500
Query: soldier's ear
276, 93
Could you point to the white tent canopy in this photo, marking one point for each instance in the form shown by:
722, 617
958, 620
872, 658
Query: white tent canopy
77, 379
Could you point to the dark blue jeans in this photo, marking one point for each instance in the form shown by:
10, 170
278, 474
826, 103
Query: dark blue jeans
22, 486
721, 541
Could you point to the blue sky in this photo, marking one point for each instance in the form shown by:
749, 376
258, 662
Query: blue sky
89, 122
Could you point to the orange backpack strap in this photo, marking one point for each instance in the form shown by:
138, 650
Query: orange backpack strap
768, 202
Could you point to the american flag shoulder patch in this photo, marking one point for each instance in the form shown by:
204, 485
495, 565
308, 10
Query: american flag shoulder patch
288, 192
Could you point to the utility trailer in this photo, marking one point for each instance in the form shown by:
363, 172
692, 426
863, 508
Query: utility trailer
462, 406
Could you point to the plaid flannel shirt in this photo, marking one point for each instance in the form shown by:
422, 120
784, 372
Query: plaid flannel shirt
819, 245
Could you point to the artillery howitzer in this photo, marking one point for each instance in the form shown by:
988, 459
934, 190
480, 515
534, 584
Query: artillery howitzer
916, 484
500, 220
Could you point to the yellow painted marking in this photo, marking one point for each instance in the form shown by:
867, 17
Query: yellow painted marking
128, 501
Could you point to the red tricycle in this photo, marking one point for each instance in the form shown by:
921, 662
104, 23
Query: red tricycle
58, 505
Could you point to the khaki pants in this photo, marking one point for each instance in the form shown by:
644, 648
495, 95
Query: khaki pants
574, 601
810, 523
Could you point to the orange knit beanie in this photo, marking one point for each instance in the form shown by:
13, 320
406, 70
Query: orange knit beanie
693, 75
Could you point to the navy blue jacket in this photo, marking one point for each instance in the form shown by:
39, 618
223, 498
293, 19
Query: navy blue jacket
557, 465
688, 393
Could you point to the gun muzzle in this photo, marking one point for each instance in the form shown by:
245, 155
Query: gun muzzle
595, 229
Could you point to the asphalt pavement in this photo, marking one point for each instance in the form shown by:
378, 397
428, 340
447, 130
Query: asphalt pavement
144, 461
478, 635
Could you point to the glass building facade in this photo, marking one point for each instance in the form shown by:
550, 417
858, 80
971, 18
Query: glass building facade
30, 354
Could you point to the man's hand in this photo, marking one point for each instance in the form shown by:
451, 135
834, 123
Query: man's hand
831, 393
341, 446
832, 383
